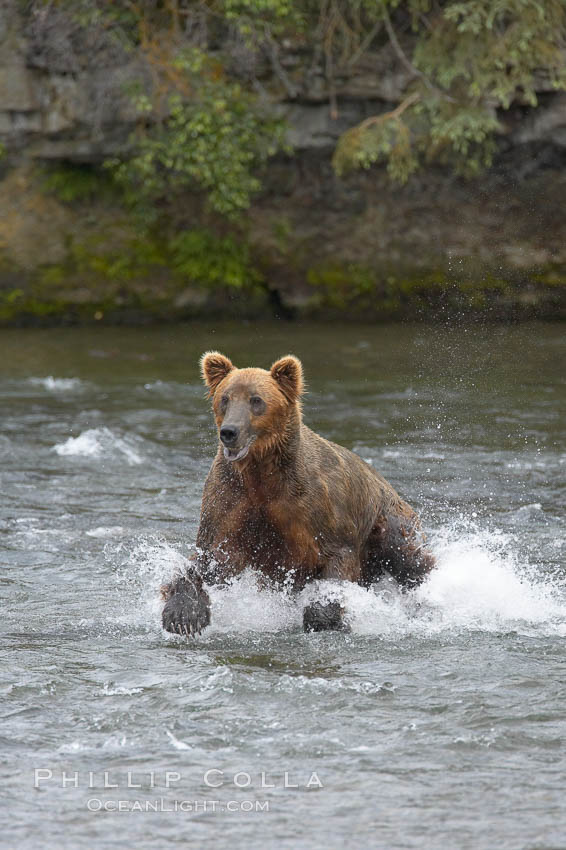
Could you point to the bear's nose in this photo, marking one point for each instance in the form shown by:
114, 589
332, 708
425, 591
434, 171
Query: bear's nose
229, 435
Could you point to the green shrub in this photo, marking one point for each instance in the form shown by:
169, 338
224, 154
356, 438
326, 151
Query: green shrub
76, 183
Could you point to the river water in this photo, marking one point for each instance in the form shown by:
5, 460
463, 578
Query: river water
438, 722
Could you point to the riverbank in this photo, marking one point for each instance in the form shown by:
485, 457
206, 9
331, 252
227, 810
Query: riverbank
431, 298
311, 247
163, 178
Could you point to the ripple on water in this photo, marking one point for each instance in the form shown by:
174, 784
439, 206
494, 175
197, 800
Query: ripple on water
59, 385
101, 442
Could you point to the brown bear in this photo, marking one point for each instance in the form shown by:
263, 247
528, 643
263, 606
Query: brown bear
288, 503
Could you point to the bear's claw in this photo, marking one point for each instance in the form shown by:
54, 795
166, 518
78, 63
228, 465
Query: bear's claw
187, 611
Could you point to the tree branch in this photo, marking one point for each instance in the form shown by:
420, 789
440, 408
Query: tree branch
401, 55
414, 97
404, 59
365, 43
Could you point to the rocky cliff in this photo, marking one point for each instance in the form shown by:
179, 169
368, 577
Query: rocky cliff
315, 244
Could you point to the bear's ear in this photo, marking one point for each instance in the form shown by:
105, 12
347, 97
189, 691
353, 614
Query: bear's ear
214, 367
288, 372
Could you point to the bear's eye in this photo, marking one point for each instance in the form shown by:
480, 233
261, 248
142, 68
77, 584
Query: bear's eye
224, 402
257, 404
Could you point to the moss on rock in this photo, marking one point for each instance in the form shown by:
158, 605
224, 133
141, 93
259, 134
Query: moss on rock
80, 256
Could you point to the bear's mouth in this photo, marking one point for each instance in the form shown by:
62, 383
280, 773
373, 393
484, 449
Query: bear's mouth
237, 454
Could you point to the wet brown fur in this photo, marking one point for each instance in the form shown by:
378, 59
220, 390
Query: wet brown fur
298, 507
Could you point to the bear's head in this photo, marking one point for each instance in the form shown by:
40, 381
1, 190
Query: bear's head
255, 409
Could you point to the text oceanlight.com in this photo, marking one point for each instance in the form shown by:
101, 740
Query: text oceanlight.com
161, 804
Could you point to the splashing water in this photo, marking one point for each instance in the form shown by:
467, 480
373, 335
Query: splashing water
58, 385
478, 585
481, 584
98, 442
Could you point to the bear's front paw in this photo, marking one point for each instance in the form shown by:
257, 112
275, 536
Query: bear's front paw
187, 611
322, 617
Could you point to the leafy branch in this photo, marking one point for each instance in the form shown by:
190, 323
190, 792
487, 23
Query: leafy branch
470, 62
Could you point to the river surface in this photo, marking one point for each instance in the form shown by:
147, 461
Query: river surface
438, 722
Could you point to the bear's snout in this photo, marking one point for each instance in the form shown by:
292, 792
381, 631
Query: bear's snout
229, 434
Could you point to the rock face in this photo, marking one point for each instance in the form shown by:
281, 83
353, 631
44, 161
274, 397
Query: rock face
54, 104
63, 90
318, 243
547, 125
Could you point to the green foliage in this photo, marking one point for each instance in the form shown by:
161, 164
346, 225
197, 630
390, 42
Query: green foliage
363, 292
343, 286
200, 257
283, 9
273, 11
494, 48
216, 67
384, 138
73, 183
469, 61
145, 275
213, 141
192, 257
198, 129
463, 137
